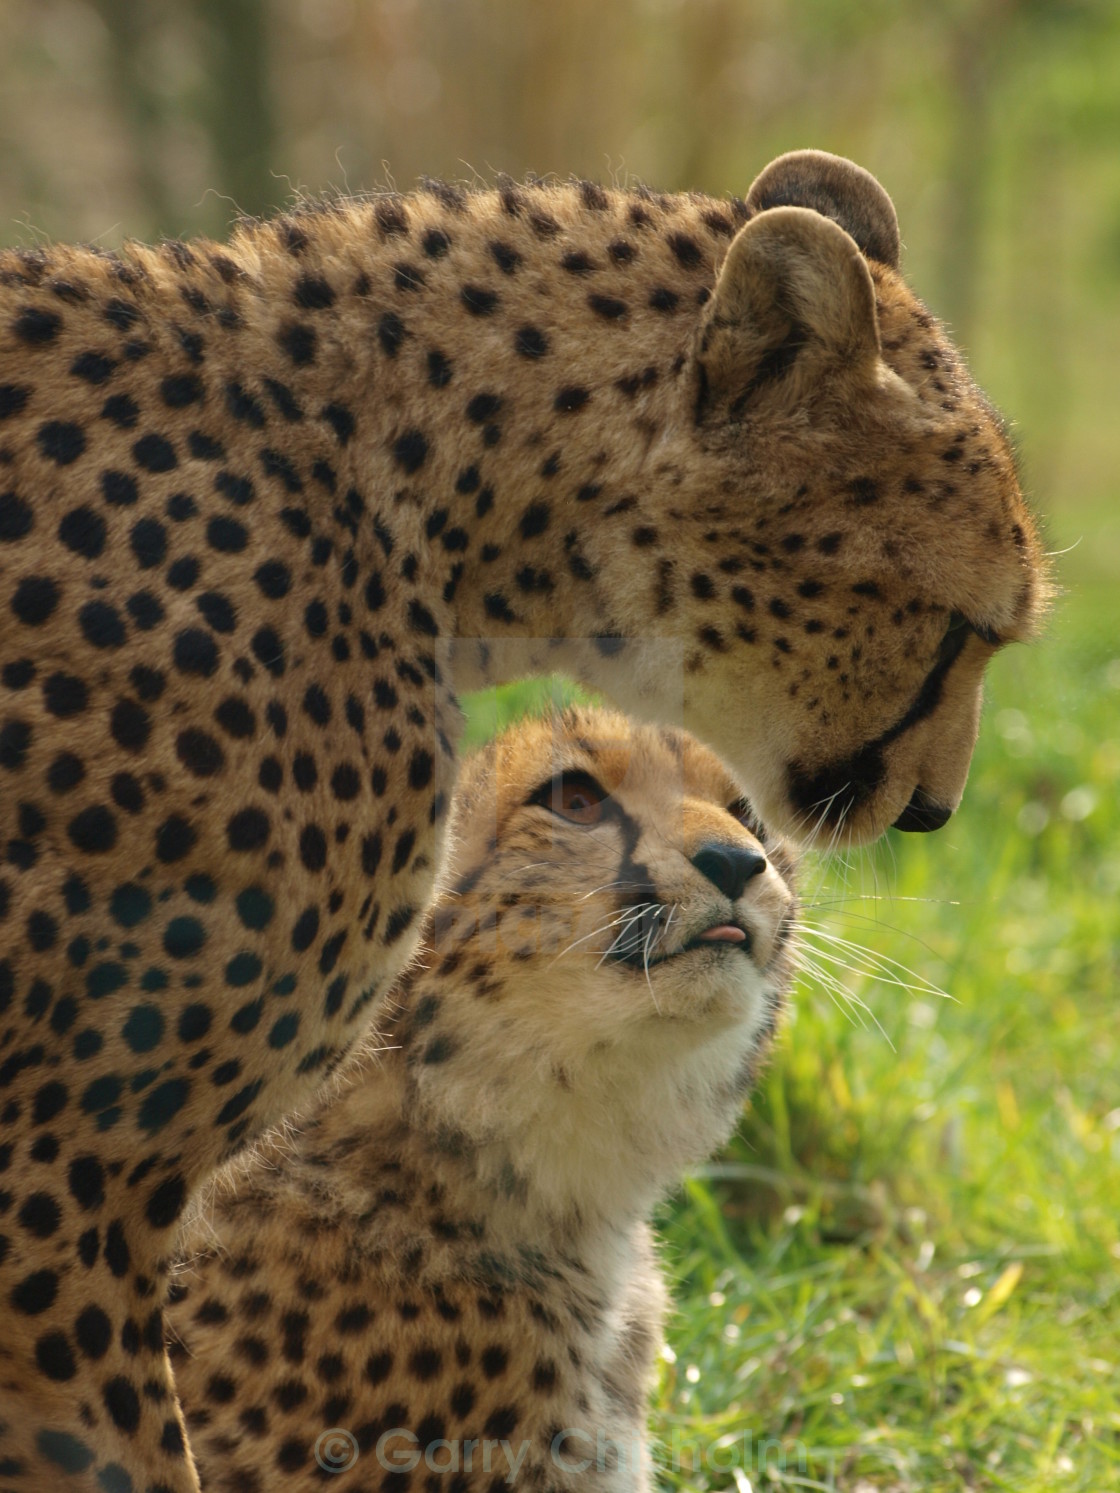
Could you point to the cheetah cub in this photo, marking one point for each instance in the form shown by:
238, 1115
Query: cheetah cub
447, 1269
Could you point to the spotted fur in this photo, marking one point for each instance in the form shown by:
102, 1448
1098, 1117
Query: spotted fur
448, 1261
265, 507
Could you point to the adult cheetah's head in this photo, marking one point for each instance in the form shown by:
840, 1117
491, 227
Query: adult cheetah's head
851, 525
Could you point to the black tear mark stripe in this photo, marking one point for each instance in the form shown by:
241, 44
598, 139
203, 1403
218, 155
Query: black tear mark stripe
929, 696
859, 777
638, 875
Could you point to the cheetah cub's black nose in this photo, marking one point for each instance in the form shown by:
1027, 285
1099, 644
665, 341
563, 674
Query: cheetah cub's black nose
729, 867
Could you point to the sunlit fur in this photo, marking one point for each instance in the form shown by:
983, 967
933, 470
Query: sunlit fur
268, 507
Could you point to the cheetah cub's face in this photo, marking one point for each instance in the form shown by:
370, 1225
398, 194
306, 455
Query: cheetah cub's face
607, 961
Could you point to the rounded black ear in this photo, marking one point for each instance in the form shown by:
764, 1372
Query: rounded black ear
837, 189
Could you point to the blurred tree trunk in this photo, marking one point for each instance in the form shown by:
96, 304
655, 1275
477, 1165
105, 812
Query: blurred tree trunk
143, 111
708, 121
1045, 363
235, 110
238, 113
976, 44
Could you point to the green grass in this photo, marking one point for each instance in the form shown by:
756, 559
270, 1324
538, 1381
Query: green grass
490, 711
904, 1272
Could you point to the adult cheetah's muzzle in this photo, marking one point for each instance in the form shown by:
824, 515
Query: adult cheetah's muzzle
831, 793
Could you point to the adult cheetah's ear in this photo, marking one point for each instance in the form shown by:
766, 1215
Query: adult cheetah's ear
792, 315
837, 189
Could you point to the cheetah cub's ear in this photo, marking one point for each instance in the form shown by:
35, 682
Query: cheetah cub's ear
792, 319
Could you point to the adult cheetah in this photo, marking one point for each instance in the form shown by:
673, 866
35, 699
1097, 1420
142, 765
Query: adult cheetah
265, 508
448, 1264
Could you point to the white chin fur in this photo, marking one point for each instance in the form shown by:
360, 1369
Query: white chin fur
597, 1097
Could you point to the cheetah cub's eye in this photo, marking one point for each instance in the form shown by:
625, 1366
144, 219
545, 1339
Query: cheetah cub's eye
575, 796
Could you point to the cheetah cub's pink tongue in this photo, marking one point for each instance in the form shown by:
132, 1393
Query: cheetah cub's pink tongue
723, 933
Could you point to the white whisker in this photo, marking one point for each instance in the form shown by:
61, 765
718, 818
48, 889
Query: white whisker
837, 992
832, 987
602, 928
881, 966
610, 886
651, 938
619, 948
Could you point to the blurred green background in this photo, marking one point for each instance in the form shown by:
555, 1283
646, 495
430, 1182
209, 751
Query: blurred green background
905, 1271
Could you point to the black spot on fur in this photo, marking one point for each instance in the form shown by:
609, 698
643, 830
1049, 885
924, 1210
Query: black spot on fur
478, 300
36, 326
313, 293
576, 262
61, 441
411, 450
83, 531
530, 342
155, 454
390, 333
663, 299
298, 342
439, 369
685, 249
570, 400
498, 607
505, 258
608, 307
534, 520
864, 491
483, 407
180, 390
35, 599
